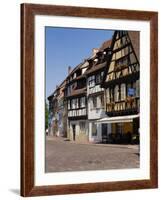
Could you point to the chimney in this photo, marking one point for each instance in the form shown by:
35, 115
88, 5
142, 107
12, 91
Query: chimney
69, 70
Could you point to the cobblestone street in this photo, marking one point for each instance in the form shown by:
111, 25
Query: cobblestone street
62, 155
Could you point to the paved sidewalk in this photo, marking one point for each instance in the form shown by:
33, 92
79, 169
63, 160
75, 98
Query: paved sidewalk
62, 139
64, 155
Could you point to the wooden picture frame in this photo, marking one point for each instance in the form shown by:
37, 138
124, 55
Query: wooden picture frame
28, 12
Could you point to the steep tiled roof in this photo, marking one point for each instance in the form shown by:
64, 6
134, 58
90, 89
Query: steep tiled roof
105, 45
135, 39
96, 67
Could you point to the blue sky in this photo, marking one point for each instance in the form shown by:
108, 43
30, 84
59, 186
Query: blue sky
68, 47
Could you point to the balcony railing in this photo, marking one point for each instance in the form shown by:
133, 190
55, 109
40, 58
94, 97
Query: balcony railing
77, 112
95, 89
129, 105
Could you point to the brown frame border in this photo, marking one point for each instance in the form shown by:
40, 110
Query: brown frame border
28, 11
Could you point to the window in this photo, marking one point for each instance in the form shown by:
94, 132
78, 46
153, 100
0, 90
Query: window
95, 60
122, 91
82, 126
94, 102
77, 103
92, 81
91, 103
100, 102
112, 94
119, 128
102, 74
74, 76
108, 95
131, 90
83, 70
68, 104
122, 62
94, 129
98, 78
74, 103
116, 93
82, 102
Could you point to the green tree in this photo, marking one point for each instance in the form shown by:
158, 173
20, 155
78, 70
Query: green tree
46, 115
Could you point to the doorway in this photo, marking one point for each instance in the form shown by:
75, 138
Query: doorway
104, 133
74, 131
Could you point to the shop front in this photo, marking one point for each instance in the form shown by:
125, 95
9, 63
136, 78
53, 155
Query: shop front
124, 129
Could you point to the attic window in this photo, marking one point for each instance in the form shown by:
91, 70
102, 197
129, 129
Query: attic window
74, 75
102, 74
96, 60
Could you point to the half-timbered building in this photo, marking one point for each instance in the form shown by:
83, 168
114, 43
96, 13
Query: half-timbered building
76, 99
95, 93
62, 111
121, 83
100, 98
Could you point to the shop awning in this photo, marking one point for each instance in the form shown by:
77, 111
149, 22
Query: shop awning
118, 119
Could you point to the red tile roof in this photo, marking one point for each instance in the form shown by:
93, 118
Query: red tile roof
135, 39
105, 45
96, 67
